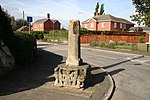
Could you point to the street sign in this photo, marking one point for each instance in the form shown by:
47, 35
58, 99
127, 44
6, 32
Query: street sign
29, 19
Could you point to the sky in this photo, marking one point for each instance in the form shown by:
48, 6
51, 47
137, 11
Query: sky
65, 10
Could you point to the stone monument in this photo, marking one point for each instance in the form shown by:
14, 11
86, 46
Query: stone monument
73, 73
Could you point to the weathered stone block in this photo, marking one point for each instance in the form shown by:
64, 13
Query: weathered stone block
72, 76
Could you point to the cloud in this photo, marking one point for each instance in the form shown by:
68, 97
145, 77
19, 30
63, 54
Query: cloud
65, 10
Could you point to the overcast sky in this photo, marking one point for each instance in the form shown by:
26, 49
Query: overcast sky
65, 10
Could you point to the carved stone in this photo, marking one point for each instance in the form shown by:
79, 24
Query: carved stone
73, 73
71, 76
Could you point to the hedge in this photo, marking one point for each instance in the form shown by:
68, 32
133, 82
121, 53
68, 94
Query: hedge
59, 35
25, 49
38, 34
124, 33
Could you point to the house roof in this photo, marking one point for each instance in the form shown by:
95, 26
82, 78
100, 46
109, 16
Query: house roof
44, 20
86, 21
108, 17
22, 28
145, 29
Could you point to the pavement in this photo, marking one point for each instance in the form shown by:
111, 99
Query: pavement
35, 82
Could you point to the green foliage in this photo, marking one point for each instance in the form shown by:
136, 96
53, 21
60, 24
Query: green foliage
109, 44
96, 8
25, 49
20, 23
143, 12
22, 46
38, 34
6, 32
121, 43
102, 9
58, 35
82, 31
141, 40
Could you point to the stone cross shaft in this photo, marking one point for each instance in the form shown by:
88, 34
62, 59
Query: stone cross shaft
74, 58
73, 73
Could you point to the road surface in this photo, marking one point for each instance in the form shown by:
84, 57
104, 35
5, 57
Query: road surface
131, 76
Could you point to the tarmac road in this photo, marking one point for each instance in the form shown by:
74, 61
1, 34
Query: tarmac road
131, 76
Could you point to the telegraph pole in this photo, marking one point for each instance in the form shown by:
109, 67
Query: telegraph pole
23, 18
23, 21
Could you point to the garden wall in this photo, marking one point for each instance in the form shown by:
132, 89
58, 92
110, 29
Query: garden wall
87, 38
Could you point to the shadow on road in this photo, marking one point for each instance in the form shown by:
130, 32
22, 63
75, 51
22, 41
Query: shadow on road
109, 66
115, 71
32, 76
98, 76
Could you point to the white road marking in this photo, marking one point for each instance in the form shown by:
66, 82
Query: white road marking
100, 56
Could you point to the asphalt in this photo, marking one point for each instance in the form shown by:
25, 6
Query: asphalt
35, 82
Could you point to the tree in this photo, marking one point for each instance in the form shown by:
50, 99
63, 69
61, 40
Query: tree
96, 8
21, 22
142, 12
16, 24
11, 19
6, 32
102, 9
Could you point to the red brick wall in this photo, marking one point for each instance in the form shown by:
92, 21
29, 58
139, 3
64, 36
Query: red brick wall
89, 25
130, 39
105, 28
118, 26
48, 25
57, 26
38, 27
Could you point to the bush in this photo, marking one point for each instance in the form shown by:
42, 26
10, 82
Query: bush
58, 35
38, 34
93, 44
124, 33
109, 44
141, 40
25, 49
121, 43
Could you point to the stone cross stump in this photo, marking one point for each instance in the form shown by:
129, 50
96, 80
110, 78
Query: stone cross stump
73, 73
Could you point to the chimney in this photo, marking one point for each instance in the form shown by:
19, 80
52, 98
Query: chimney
48, 16
97, 14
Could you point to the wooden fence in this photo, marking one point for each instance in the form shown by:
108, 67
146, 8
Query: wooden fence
88, 38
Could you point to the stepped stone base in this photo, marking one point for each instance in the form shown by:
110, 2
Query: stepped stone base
72, 76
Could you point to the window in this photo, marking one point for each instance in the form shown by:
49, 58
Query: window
85, 26
92, 25
124, 26
41, 25
103, 24
34, 26
115, 25
120, 25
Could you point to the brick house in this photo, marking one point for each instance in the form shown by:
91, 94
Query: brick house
46, 24
107, 23
23, 28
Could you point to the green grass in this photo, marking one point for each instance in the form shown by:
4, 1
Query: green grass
127, 46
140, 48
